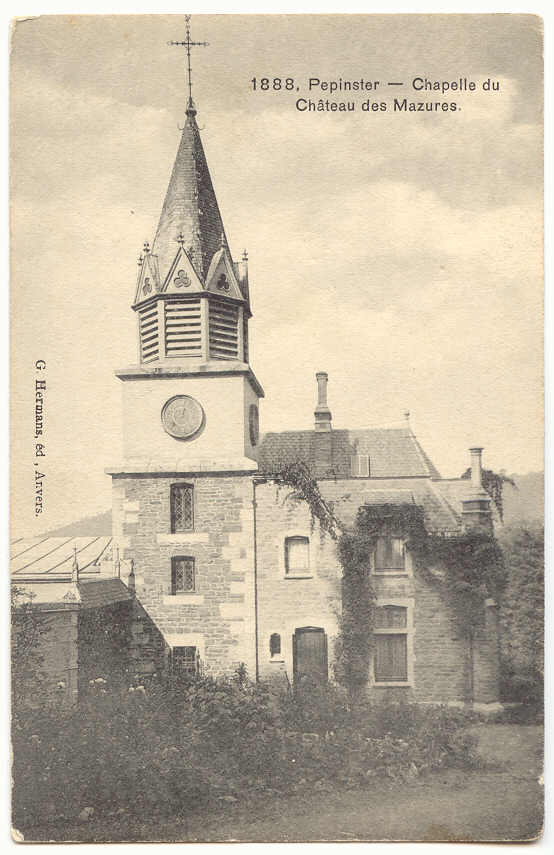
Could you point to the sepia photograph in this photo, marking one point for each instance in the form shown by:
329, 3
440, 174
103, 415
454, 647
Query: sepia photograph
277, 470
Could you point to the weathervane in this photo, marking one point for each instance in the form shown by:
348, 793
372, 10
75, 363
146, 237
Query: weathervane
188, 44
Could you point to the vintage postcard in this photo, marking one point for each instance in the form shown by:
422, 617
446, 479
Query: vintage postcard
277, 428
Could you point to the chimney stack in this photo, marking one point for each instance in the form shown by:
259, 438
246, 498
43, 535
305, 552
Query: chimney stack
476, 509
476, 469
322, 412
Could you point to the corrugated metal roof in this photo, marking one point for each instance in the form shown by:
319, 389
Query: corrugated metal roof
53, 556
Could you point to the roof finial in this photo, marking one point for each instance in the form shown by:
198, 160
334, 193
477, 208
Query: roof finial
180, 238
131, 581
407, 417
146, 248
245, 256
188, 44
75, 566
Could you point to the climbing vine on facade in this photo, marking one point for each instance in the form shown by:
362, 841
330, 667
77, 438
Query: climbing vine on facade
466, 567
304, 487
493, 484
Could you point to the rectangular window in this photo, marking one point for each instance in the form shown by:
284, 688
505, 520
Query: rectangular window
391, 644
359, 466
297, 555
182, 575
391, 659
390, 554
184, 660
182, 507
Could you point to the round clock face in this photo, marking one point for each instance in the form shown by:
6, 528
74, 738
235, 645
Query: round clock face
182, 417
254, 424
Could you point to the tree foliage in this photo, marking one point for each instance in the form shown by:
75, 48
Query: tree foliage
28, 630
521, 615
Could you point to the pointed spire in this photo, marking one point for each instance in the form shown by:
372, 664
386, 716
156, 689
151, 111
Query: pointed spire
190, 209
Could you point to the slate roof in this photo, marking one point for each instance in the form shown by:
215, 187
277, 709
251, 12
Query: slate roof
393, 452
95, 593
190, 207
350, 495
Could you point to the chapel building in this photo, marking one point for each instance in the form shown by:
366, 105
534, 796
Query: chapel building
223, 571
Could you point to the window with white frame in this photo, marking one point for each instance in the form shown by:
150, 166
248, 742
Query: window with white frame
184, 660
359, 466
390, 554
390, 664
297, 555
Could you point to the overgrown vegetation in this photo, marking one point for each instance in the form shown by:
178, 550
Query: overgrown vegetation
521, 616
304, 488
493, 484
29, 628
174, 748
467, 567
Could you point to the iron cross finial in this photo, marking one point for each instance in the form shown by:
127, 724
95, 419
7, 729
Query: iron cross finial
180, 238
188, 44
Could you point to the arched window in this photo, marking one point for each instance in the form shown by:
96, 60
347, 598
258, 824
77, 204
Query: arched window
297, 555
275, 644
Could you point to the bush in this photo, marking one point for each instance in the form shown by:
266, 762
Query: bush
179, 746
521, 616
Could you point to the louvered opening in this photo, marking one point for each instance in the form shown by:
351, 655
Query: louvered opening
149, 333
183, 336
223, 330
245, 335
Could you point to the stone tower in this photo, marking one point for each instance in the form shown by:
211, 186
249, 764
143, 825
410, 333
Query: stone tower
182, 495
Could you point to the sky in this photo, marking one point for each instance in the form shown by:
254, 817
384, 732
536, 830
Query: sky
401, 253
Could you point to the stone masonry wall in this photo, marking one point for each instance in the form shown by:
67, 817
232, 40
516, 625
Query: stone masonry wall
218, 618
439, 654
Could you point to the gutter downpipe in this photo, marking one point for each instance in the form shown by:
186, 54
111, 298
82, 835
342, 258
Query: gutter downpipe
255, 482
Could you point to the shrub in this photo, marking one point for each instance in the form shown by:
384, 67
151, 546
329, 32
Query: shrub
178, 746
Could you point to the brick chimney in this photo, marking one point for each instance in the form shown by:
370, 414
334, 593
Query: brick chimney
322, 412
476, 508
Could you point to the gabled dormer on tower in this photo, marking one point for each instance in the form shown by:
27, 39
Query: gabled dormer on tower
192, 299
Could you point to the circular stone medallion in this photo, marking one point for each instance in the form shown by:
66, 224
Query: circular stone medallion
182, 417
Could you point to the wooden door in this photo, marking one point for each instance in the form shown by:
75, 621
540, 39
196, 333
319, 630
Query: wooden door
309, 646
